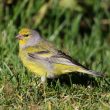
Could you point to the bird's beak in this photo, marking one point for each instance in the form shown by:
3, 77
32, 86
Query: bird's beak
19, 37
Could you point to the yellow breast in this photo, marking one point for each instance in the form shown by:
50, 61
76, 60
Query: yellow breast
34, 66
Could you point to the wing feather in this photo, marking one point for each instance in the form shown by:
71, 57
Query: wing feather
46, 51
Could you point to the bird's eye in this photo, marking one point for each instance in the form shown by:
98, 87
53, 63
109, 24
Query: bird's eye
26, 35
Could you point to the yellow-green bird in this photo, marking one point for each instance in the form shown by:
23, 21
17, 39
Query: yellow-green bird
43, 59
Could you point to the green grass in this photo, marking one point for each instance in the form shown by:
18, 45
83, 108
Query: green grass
83, 32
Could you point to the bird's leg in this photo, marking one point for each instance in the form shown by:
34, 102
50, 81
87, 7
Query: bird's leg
42, 85
43, 79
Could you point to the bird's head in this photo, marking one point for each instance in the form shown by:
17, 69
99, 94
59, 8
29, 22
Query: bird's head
28, 37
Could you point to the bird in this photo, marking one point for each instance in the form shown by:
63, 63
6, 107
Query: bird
41, 57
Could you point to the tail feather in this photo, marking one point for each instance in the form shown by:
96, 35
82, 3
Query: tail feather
95, 73
91, 72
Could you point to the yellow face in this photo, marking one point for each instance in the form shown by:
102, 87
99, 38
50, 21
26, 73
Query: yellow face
24, 35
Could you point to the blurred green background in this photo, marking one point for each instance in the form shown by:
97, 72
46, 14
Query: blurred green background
80, 28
